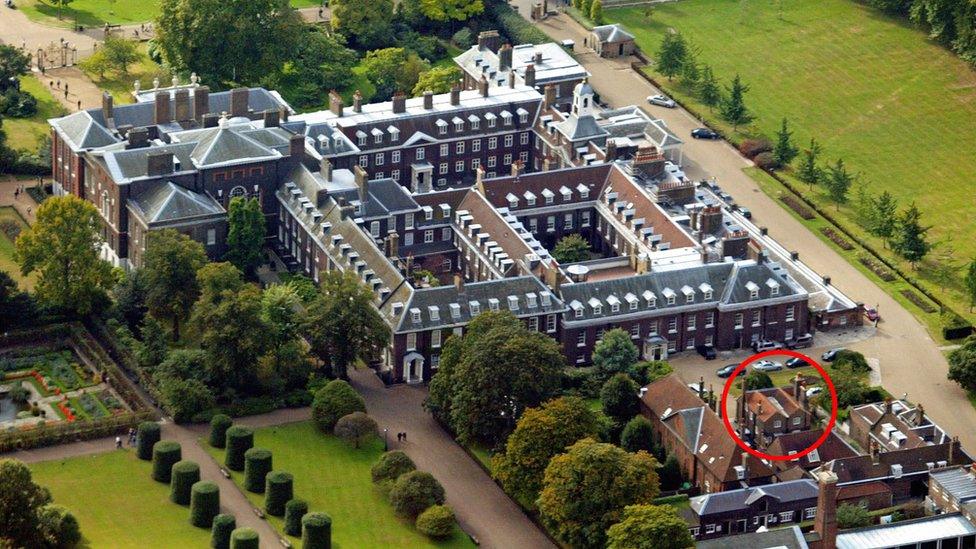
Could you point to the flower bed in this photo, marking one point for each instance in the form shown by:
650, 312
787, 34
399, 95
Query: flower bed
797, 206
918, 301
836, 238
876, 268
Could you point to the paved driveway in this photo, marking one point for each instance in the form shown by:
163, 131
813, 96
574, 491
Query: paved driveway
910, 360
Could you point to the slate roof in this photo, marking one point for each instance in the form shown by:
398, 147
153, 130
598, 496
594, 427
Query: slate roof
592, 177
779, 538
737, 500
130, 164
557, 64
612, 33
141, 113
385, 198
909, 532
832, 448
579, 128
958, 482
227, 145
82, 131
912, 461
631, 194
170, 202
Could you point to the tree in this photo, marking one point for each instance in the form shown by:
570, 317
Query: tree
614, 353
970, 283
58, 526
392, 70
20, 502
490, 375
784, 151
709, 91
650, 527
96, 63
13, 63
130, 298
171, 264
852, 516
851, 390
884, 216
540, 434
334, 401
909, 240
342, 325
852, 360
356, 428
619, 398
185, 398
946, 267
414, 492
690, 70
369, 23
758, 380
733, 107
670, 473
962, 364
649, 371
16, 306
838, 182
120, 53
436, 522
437, 80
809, 170
63, 248
671, 55
256, 37
321, 63
586, 490
245, 234
153, 348
234, 336
638, 435
451, 10
390, 466
571, 248
596, 12
287, 360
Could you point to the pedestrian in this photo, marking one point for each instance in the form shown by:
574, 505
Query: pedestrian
399, 437
28, 210
79, 104
118, 443
404, 436
66, 92
16, 193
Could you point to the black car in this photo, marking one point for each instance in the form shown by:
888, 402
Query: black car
726, 371
706, 351
796, 363
704, 133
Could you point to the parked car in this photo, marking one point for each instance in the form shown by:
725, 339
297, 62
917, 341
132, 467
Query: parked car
705, 133
796, 363
726, 197
726, 371
661, 101
706, 351
800, 341
814, 391
766, 345
569, 44
830, 355
767, 366
746, 212
872, 314
693, 387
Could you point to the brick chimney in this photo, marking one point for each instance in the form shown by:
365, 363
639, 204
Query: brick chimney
201, 102
428, 100
798, 393
108, 111
238, 101
953, 450
456, 94
181, 105
550, 97
530, 75
537, 58
296, 146
483, 86
362, 182
272, 118
159, 163
357, 101
825, 523
392, 244
325, 169
399, 103
489, 40
335, 103
459, 283
517, 168
611, 152
161, 108
511, 79
875, 451
505, 58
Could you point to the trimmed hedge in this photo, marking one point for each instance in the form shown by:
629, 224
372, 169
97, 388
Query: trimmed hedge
204, 504
436, 522
244, 538
336, 399
218, 430
257, 465
165, 454
239, 440
391, 465
316, 531
184, 475
294, 511
414, 492
279, 490
148, 434
223, 526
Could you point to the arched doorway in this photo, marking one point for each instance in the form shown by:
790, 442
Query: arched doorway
413, 368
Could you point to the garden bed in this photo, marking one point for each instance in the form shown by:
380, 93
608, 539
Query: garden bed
836, 238
918, 301
797, 206
876, 268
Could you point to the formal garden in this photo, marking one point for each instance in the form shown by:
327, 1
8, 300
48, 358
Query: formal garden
11, 224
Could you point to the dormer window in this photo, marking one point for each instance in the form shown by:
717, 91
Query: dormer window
513, 304
377, 135
567, 194
512, 201
474, 307
546, 299
753, 289
474, 121
394, 133
596, 305
523, 116
493, 304
441, 127
428, 213
491, 118
706, 291
435, 313
614, 304
531, 300
455, 311
773, 287
458, 124
529, 198
650, 298
415, 315
361, 138
507, 118
548, 195
669, 295
689, 294
632, 301
583, 190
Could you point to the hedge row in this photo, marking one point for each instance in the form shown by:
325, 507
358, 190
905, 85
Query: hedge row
204, 504
166, 454
257, 465
223, 526
182, 478
239, 440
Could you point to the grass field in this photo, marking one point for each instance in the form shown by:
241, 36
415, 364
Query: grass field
334, 478
121, 85
99, 12
117, 503
25, 134
8, 215
870, 88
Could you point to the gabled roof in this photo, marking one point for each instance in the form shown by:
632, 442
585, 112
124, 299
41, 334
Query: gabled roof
832, 448
225, 145
170, 202
612, 33
735, 500
82, 131
578, 128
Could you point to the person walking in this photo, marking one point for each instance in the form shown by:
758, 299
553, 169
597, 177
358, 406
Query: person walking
118, 443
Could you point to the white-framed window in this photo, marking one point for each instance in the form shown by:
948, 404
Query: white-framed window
710, 319
442, 170
694, 531
524, 138
524, 156
809, 512
378, 175
374, 229
394, 134
709, 340
533, 225
491, 120
459, 126
692, 321
408, 221
421, 153
523, 117
492, 160
476, 145
788, 334
585, 219
435, 338
534, 323
509, 140
579, 312
756, 318
446, 237
428, 236
363, 161
442, 128
459, 166
690, 343
568, 221
445, 149
786, 516
791, 313
709, 528
459, 147
777, 424
738, 321
550, 323
672, 325
395, 156
377, 138
408, 239
796, 420
551, 223
635, 331
412, 340
475, 123
395, 175
379, 159
435, 361
475, 163
492, 143
580, 358
507, 160
211, 237
362, 139
652, 328
671, 299
615, 307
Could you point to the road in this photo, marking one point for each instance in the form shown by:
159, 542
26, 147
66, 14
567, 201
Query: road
910, 361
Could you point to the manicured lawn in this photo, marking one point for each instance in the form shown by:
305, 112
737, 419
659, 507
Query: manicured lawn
25, 134
870, 88
8, 219
117, 503
99, 12
334, 478
121, 85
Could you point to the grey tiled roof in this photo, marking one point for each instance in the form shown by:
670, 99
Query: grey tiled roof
577, 128
612, 33
734, 500
780, 538
385, 197
171, 202
141, 114
125, 165
225, 145
83, 132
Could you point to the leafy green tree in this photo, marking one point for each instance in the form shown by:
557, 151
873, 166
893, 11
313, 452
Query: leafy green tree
638, 435
392, 70
451, 10
321, 63
342, 325
369, 23
852, 360
884, 216
16, 306
758, 380
153, 349
586, 490
96, 63
784, 151
540, 434
645, 372
670, 473
355, 428
614, 353
671, 56
120, 53
690, 69
709, 91
59, 526
437, 80
13, 63
852, 516
62, 246
286, 360
970, 283
415, 492
21, 500
910, 241
619, 398
256, 37
650, 527
962, 364
596, 12
234, 336
851, 389
334, 401
245, 234
733, 107
130, 298
171, 263
838, 182
185, 398
809, 170
571, 248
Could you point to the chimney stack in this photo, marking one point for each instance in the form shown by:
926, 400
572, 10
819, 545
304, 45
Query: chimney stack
550, 96
456, 94
211, 120
874, 452
530, 75
357, 101
701, 387
272, 118
611, 153
511, 79
428, 100
887, 404
825, 523
953, 450
798, 393
459, 283
161, 108
362, 181
505, 58
296, 146
483, 86
517, 168
392, 244
537, 58
745, 466
920, 415
335, 103
159, 163
107, 109
138, 137
325, 169
488, 40
238, 101
399, 103
181, 104
201, 102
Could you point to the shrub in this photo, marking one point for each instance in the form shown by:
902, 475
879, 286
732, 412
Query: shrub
852, 516
257, 465
184, 475
316, 531
220, 533
59, 525
356, 428
333, 401
244, 538
165, 454
391, 465
204, 504
294, 511
239, 440
414, 492
750, 148
766, 161
218, 430
436, 522
852, 360
638, 435
463, 38
147, 435
279, 490
646, 372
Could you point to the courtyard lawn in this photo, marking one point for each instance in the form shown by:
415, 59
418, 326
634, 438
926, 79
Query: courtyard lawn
98, 12
117, 503
870, 88
10, 222
25, 134
334, 478
121, 85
